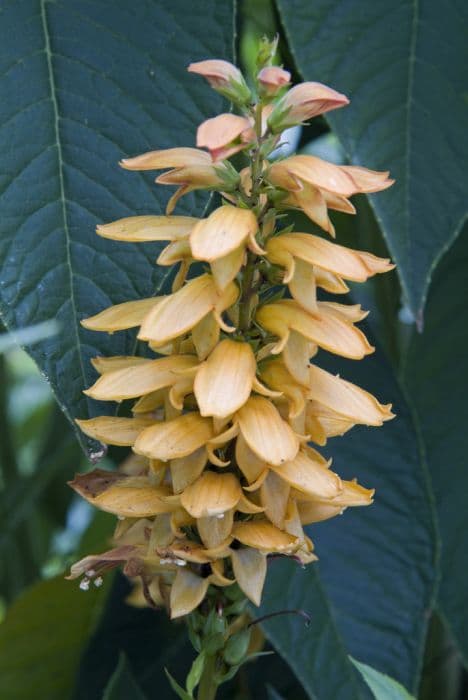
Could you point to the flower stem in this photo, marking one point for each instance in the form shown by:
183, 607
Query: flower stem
208, 685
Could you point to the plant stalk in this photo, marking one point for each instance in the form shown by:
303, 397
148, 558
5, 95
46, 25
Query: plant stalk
208, 685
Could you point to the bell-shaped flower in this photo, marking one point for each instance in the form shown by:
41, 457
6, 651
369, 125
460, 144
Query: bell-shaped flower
142, 378
314, 185
346, 398
355, 265
192, 169
124, 496
303, 102
310, 476
329, 329
178, 313
221, 240
225, 78
174, 438
225, 135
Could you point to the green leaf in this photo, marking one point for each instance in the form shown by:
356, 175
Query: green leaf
371, 590
383, 687
402, 65
42, 637
178, 690
122, 685
121, 89
193, 678
436, 374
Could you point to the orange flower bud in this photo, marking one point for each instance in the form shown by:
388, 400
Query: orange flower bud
272, 78
303, 102
223, 77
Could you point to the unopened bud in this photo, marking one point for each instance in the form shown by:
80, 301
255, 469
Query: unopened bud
237, 647
225, 78
303, 102
272, 79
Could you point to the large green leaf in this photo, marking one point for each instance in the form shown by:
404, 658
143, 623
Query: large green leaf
42, 637
436, 373
371, 591
402, 64
383, 687
84, 84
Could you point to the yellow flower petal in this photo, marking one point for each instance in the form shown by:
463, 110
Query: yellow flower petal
115, 431
310, 477
276, 375
122, 316
187, 592
111, 364
150, 402
168, 158
214, 530
136, 229
245, 505
186, 470
140, 379
125, 496
296, 356
302, 286
250, 465
348, 312
174, 438
222, 232
224, 382
249, 566
346, 398
178, 251
327, 329
180, 312
330, 282
352, 494
314, 512
294, 527
266, 433
274, 494
211, 494
225, 269
262, 535
326, 422
205, 335
368, 180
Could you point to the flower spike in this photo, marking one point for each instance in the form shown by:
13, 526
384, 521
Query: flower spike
229, 400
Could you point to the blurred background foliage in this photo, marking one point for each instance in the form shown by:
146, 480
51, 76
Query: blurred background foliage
390, 588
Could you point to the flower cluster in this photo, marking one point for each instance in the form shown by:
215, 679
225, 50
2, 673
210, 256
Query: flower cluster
230, 396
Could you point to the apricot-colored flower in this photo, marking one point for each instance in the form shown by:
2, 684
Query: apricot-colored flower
225, 135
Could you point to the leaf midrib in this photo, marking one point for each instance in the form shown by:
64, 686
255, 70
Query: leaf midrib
60, 164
